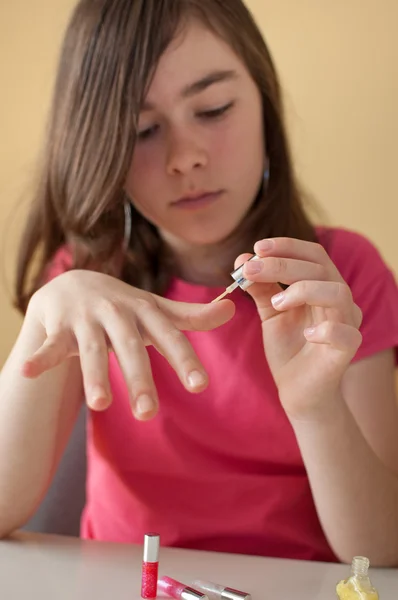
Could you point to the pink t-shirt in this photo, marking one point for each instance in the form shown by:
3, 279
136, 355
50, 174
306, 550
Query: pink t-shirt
222, 470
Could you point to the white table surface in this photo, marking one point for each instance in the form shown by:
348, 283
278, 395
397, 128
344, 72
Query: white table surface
48, 567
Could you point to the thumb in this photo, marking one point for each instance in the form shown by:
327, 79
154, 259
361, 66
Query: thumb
197, 317
260, 292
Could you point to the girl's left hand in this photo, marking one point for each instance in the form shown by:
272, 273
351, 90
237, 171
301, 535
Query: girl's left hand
310, 330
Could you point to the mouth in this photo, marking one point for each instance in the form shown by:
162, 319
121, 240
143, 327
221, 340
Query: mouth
197, 200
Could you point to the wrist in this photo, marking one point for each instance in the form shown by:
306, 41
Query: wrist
330, 423
319, 409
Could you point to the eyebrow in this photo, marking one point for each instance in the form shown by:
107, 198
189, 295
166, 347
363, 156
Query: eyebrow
202, 84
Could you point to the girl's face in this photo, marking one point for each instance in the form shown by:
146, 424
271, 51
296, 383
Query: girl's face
199, 158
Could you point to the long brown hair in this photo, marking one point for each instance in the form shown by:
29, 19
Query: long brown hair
109, 55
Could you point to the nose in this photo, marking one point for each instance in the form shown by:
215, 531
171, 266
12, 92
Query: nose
185, 153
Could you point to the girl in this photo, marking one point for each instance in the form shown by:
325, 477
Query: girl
262, 424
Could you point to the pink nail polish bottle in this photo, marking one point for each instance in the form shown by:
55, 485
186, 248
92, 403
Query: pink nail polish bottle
150, 566
214, 591
178, 590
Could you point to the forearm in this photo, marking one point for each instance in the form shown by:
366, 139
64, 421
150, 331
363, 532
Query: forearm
34, 422
356, 496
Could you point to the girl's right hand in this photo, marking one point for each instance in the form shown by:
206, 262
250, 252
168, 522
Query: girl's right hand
85, 313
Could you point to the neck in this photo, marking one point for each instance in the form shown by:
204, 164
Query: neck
204, 265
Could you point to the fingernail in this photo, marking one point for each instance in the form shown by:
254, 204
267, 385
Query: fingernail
144, 405
253, 266
278, 299
26, 368
97, 396
309, 331
264, 245
196, 379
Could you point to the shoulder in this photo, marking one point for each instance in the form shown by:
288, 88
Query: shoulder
355, 256
372, 284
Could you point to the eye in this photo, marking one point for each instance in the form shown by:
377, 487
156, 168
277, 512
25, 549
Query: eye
216, 112
147, 133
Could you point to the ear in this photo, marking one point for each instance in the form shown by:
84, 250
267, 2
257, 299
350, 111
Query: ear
127, 224
266, 169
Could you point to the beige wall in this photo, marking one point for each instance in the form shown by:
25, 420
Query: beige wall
30, 34
338, 62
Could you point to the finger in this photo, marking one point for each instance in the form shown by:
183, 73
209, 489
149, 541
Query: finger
134, 362
358, 316
285, 247
261, 293
93, 352
274, 269
175, 347
242, 259
56, 348
339, 335
187, 316
324, 294
271, 274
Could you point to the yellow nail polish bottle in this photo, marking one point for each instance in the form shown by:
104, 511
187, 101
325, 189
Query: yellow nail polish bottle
358, 586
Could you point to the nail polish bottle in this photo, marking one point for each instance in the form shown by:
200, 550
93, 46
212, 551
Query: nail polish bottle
175, 589
215, 591
150, 566
358, 586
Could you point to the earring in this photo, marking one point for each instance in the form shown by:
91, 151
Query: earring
127, 224
266, 174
